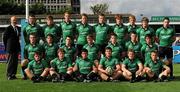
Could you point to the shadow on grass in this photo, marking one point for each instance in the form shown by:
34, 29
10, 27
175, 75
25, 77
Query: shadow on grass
177, 78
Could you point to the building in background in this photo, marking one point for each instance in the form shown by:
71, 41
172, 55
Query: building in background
75, 6
56, 5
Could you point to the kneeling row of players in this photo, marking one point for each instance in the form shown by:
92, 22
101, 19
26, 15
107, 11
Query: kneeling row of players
108, 69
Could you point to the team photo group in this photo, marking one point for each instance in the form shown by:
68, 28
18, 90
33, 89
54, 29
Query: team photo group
81, 52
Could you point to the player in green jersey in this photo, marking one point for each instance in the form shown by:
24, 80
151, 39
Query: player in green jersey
101, 31
144, 30
61, 67
51, 28
37, 69
132, 67
155, 69
50, 48
70, 51
85, 69
109, 67
83, 30
68, 28
165, 37
29, 51
120, 30
115, 46
132, 27
147, 48
32, 27
134, 45
93, 50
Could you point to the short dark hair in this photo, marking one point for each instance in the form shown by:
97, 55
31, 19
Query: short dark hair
37, 53
50, 35
84, 14
166, 18
101, 14
113, 34
108, 48
145, 19
32, 15
49, 17
90, 35
148, 35
132, 32
84, 50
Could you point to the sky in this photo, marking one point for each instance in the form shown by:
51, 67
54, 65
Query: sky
137, 7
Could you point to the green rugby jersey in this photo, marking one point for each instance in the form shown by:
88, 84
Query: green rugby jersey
134, 46
53, 30
165, 36
111, 62
141, 32
116, 50
37, 68
84, 65
69, 51
101, 31
68, 29
92, 51
28, 29
132, 28
61, 66
155, 67
30, 50
50, 51
132, 65
83, 30
121, 31
147, 49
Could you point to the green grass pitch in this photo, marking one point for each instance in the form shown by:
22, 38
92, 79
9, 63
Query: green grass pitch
27, 85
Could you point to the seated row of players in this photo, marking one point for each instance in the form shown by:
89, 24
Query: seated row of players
52, 58
109, 68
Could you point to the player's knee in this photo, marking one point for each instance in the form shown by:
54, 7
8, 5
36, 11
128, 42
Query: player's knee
168, 70
26, 70
119, 72
129, 73
24, 62
123, 73
148, 70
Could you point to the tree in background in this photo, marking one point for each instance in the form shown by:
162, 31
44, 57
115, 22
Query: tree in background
37, 8
60, 11
10, 7
100, 8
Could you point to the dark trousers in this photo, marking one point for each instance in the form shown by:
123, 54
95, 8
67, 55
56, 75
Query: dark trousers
12, 64
102, 48
80, 77
78, 50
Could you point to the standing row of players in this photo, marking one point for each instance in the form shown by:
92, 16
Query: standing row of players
119, 39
